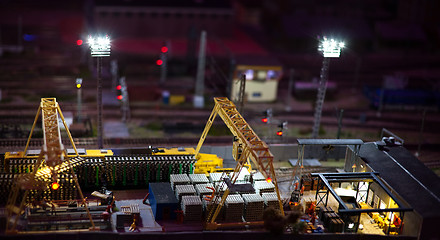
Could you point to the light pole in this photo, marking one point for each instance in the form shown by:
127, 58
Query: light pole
330, 48
100, 47
78, 98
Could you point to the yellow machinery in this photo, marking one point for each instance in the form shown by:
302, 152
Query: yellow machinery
52, 159
247, 145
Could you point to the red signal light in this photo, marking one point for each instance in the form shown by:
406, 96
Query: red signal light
119, 87
269, 180
264, 120
119, 97
164, 49
55, 185
280, 133
159, 62
79, 42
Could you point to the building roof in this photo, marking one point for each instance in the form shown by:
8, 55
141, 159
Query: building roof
330, 141
409, 177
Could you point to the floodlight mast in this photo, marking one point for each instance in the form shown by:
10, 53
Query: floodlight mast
99, 47
329, 48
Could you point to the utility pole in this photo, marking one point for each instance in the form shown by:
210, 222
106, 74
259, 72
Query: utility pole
289, 90
341, 113
241, 94
114, 71
200, 78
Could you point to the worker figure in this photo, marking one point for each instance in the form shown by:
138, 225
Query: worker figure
311, 209
133, 227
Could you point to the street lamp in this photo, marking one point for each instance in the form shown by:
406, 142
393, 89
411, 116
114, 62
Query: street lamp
99, 47
329, 48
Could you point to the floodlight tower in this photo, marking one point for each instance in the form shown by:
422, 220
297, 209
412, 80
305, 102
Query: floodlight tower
329, 48
100, 47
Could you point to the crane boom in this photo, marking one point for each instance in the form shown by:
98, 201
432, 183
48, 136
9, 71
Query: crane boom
52, 159
253, 146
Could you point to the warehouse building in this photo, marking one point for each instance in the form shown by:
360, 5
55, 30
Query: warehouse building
406, 177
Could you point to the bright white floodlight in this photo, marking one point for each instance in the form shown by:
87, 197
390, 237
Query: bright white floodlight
330, 47
99, 46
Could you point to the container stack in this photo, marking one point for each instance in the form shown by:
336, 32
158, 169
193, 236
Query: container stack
264, 187
258, 176
204, 189
216, 177
242, 177
179, 179
192, 208
331, 220
306, 182
254, 206
184, 190
234, 208
270, 200
198, 178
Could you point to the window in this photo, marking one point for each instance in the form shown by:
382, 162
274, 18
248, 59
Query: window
249, 74
261, 75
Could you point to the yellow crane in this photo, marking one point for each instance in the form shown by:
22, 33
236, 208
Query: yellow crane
52, 159
247, 145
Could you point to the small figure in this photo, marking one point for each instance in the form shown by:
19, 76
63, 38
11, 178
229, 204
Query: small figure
133, 227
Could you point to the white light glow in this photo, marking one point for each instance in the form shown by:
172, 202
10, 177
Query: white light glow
99, 46
330, 47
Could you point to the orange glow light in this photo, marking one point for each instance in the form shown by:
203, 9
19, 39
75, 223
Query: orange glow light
264, 120
55, 185
269, 180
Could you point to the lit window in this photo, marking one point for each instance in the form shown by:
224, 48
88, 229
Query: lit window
261, 75
271, 74
249, 74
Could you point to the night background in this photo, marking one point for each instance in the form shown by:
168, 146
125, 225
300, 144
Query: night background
392, 47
